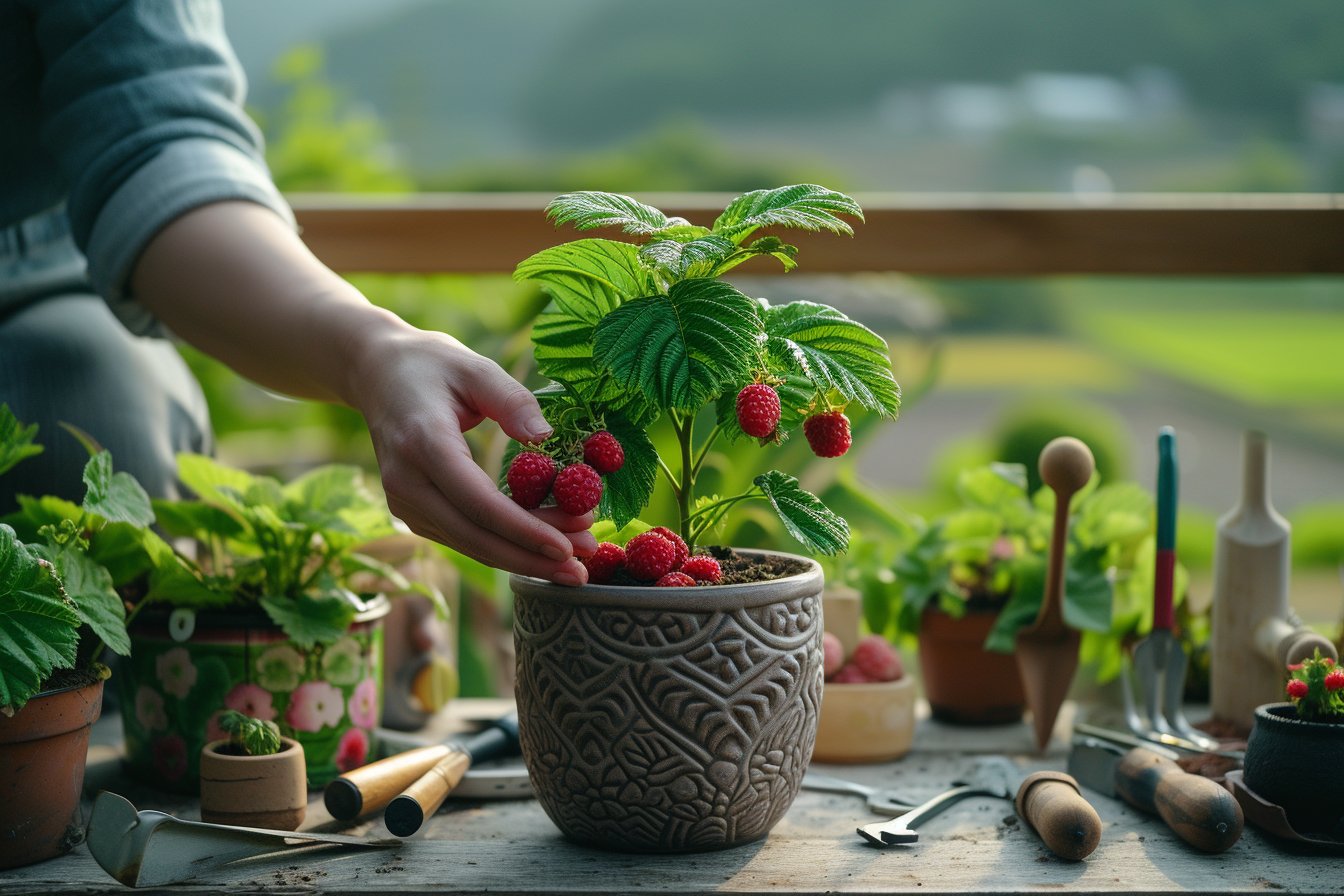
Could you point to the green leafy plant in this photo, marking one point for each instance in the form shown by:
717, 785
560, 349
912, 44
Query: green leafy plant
290, 549
249, 736
990, 552
643, 334
1316, 689
58, 606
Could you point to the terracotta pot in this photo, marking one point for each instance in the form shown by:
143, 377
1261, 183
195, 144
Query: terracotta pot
254, 791
1296, 765
964, 683
43, 749
668, 719
179, 678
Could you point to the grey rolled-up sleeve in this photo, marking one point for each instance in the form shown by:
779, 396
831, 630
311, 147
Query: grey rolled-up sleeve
142, 107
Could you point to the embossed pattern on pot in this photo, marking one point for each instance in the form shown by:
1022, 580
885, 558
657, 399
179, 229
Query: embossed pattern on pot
656, 728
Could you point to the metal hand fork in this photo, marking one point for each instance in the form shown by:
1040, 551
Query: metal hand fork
153, 849
887, 802
992, 777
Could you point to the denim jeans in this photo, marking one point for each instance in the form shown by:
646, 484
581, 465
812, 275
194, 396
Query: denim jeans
64, 358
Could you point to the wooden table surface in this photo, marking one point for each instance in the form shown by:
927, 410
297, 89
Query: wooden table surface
511, 847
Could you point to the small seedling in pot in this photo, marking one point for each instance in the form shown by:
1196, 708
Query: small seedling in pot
249, 736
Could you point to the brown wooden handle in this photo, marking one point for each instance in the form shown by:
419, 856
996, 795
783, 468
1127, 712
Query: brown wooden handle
1198, 809
409, 809
371, 787
1051, 803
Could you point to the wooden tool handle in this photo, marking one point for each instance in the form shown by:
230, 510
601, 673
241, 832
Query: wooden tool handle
371, 787
408, 810
1052, 804
1198, 809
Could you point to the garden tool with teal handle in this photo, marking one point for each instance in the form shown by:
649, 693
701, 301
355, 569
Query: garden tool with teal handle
1159, 660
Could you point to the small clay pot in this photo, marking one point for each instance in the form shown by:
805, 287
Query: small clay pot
964, 683
43, 749
668, 719
254, 791
1295, 765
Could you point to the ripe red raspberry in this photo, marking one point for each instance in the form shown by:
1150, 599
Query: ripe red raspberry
827, 433
702, 568
1334, 680
674, 580
530, 477
877, 659
577, 489
758, 410
833, 655
603, 564
649, 557
1297, 689
603, 453
849, 674
682, 551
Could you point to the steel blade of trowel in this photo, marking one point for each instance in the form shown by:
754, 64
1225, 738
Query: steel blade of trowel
1197, 809
1154, 741
151, 849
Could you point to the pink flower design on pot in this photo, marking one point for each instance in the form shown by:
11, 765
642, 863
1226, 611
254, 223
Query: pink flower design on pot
353, 749
313, 706
149, 709
251, 700
176, 672
170, 756
364, 704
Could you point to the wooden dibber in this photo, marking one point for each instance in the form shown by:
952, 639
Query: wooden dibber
371, 787
1047, 650
1055, 808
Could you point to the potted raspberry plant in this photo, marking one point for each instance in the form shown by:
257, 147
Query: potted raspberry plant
1296, 749
703, 700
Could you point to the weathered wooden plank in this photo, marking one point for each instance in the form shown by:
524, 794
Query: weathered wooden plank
977, 846
945, 235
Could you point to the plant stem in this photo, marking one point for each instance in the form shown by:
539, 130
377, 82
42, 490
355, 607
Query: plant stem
683, 427
714, 512
704, 449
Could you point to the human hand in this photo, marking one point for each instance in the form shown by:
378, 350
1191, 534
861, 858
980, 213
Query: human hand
419, 392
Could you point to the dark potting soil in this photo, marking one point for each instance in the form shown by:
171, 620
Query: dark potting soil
737, 568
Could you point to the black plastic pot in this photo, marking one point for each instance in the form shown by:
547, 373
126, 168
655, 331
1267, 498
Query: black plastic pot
1296, 765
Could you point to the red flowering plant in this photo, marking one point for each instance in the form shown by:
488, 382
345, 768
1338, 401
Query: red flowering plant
1316, 689
643, 344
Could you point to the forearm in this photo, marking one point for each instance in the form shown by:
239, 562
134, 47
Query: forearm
235, 281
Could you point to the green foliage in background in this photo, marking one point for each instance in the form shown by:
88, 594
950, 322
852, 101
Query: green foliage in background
1024, 430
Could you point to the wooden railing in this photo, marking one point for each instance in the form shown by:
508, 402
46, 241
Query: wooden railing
932, 234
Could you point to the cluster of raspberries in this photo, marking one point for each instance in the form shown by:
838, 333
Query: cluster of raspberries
873, 659
658, 556
758, 410
533, 475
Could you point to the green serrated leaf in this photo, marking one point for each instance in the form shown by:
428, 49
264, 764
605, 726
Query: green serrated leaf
194, 519
682, 348
311, 619
834, 353
116, 497
803, 206
39, 629
212, 481
16, 440
677, 260
589, 209
89, 587
626, 492
803, 514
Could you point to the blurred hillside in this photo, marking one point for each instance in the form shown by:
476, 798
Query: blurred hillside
863, 94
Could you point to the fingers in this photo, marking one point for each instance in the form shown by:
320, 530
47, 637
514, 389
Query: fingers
508, 402
574, 527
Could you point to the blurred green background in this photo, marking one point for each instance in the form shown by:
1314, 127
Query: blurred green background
1080, 97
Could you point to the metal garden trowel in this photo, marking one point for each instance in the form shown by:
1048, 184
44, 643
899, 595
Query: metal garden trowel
152, 849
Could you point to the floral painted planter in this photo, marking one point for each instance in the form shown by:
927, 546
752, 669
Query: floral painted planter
183, 672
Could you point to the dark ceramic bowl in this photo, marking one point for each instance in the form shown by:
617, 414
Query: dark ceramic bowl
668, 719
1297, 766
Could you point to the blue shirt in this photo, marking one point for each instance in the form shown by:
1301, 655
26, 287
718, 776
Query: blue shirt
116, 116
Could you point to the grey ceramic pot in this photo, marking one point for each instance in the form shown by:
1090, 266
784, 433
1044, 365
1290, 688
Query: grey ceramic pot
1296, 765
668, 719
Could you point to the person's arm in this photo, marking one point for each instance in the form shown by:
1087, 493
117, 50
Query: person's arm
234, 280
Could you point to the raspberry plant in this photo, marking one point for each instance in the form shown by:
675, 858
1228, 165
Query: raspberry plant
644, 332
